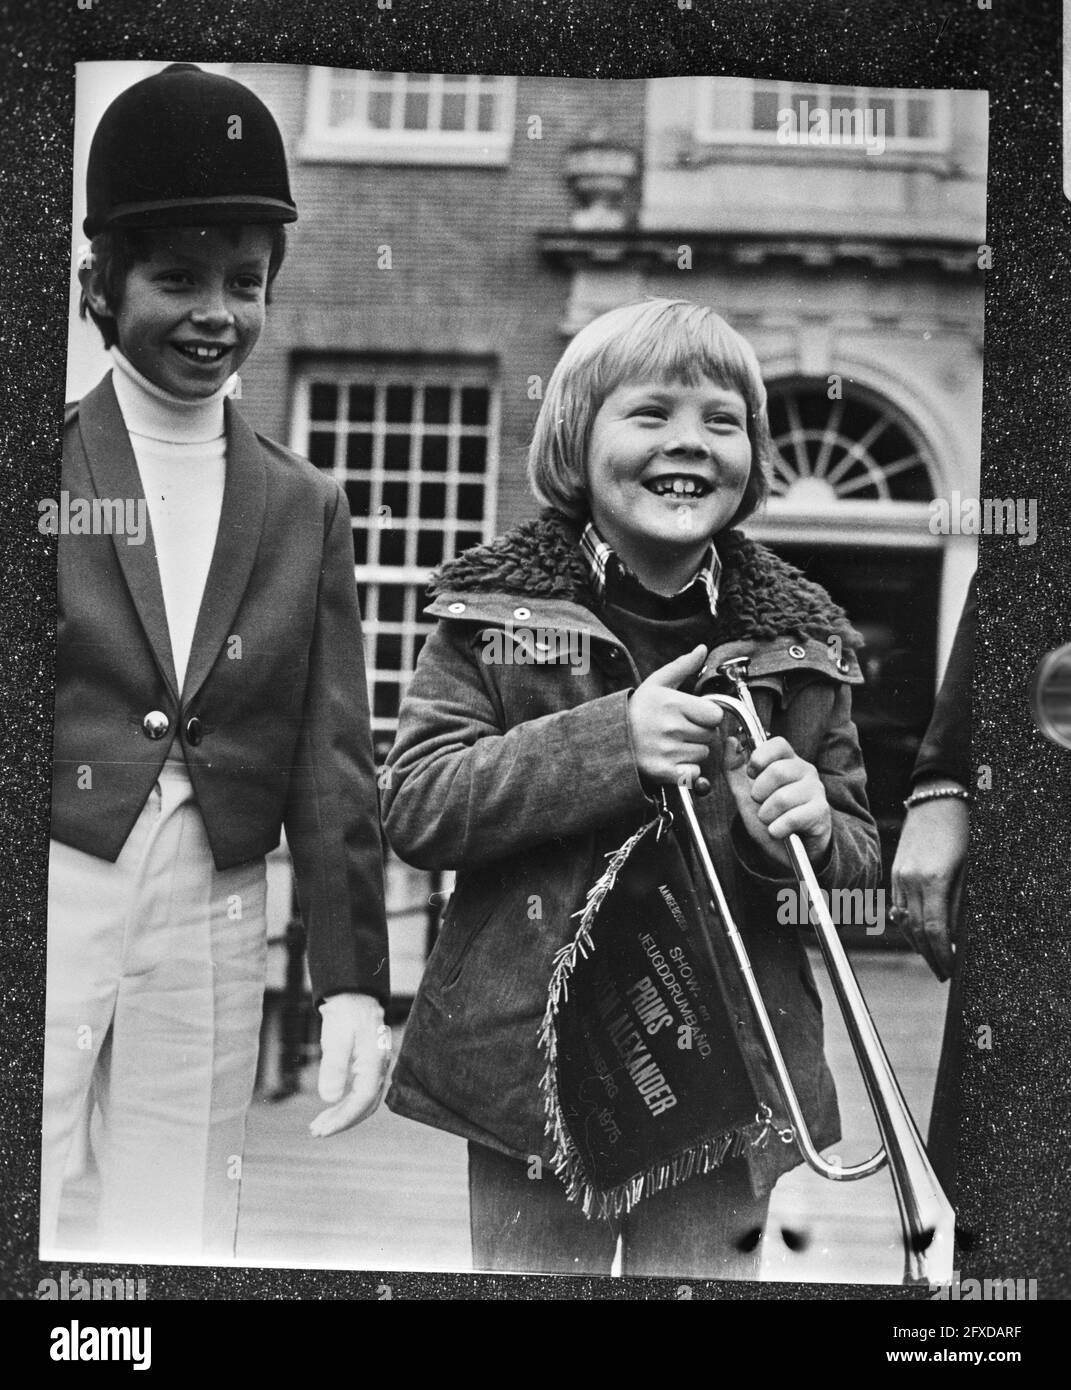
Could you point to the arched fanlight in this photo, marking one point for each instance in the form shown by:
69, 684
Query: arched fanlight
856, 448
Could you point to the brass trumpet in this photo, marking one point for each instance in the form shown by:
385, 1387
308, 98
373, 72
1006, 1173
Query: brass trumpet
926, 1215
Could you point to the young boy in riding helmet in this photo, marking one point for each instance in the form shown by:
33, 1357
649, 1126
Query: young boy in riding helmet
210, 691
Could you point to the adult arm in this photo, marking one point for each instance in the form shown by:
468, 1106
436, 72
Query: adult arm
933, 842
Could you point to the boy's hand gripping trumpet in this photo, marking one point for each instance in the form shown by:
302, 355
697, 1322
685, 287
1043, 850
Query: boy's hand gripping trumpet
925, 1213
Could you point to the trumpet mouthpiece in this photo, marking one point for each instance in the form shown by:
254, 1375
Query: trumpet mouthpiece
735, 669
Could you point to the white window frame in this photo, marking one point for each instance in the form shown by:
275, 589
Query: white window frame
820, 95
456, 373
847, 520
364, 144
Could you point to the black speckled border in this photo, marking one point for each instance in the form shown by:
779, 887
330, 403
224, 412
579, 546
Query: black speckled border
1016, 1198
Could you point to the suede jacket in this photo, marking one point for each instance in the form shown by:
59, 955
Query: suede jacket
514, 766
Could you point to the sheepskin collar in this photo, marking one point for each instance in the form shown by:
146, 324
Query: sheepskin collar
760, 596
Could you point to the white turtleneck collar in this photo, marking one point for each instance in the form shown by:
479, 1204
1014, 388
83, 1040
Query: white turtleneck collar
153, 413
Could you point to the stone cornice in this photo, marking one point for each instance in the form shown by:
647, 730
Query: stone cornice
576, 249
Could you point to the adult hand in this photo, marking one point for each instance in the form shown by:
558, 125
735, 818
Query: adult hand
356, 1046
672, 731
932, 849
777, 794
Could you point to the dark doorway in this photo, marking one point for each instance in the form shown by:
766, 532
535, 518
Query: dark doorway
891, 597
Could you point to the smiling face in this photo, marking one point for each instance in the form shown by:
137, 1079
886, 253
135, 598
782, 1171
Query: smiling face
191, 313
667, 465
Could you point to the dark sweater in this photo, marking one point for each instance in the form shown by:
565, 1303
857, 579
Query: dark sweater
656, 630
656, 637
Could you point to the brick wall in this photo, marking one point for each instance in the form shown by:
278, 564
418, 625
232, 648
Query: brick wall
466, 277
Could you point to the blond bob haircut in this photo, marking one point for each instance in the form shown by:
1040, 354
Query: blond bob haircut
657, 340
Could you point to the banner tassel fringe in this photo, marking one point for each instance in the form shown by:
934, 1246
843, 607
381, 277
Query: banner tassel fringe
565, 1161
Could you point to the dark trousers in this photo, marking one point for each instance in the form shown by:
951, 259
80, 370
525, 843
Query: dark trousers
707, 1228
948, 1089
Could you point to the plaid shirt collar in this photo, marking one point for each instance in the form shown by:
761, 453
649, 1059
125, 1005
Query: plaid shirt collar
604, 563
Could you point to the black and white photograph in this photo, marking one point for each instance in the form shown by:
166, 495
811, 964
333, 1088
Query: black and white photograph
537, 682
514, 532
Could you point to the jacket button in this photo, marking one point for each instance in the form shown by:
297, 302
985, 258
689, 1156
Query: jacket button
155, 724
522, 614
797, 652
194, 731
456, 608
843, 665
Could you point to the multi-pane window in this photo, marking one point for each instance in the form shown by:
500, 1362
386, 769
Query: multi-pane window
428, 117
746, 110
415, 449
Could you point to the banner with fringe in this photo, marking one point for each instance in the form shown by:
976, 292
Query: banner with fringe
645, 1084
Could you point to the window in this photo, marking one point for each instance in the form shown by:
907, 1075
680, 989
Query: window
749, 111
415, 447
408, 117
853, 449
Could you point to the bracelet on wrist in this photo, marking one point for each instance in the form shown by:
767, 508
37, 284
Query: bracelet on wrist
936, 794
